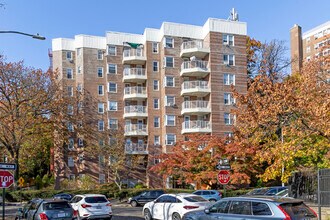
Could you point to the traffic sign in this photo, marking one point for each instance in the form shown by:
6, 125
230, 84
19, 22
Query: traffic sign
21, 181
7, 166
223, 167
6, 179
223, 177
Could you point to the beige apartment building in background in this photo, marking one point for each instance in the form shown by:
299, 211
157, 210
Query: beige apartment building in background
308, 45
159, 86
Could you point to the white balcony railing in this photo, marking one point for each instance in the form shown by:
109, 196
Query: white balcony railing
135, 109
135, 129
135, 148
135, 91
133, 52
134, 72
195, 85
194, 44
202, 64
199, 124
195, 104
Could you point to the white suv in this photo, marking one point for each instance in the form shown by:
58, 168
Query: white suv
92, 206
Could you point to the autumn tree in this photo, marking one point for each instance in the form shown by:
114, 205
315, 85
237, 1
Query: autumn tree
26, 101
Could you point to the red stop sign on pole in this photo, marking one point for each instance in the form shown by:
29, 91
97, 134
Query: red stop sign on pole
223, 176
6, 179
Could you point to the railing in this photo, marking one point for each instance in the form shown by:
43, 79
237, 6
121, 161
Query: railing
135, 109
196, 124
194, 64
135, 90
135, 147
194, 44
134, 72
195, 85
195, 104
133, 52
135, 128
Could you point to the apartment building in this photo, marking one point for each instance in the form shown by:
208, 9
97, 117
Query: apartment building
308, 45
159, 86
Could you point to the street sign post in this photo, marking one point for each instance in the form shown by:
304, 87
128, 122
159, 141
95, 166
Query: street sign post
223, 177
6, 179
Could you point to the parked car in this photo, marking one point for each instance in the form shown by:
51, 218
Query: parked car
267, 191
23, 212
91, 206
211, 195
144, 197
50, 209
173, 206
264, 207
65, 196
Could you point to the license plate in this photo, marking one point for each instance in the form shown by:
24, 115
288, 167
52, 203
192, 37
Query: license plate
61, 215
98, 207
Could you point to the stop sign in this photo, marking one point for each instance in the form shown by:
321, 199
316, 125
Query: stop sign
223, 176
6, 179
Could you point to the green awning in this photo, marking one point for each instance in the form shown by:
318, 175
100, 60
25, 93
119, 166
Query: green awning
133, 45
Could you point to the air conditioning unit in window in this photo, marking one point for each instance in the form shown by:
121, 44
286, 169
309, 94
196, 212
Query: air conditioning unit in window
71, 60
173, 105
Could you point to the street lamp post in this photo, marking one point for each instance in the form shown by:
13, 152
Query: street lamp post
35, 36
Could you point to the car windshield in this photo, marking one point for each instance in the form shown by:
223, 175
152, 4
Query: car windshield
56, 205
96, 199
298, 210
195, 199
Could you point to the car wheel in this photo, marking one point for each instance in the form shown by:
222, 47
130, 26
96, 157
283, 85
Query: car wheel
176, 216
147, 215
213, 200
134, 203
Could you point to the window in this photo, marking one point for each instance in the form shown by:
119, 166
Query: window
79, 70
229, 79
69, 55
154, 47
102, 177
229, 99
229, 119
100, 108
220, 207
308, 49
169, 81
112, 87
170, 139
260, 208
70, 109
170, 120
308, 39
169, 62
156, 122
100, 71
80, 142
112, 50
113, 123
157, 140
78, 51
156, 161
112, 106
99, 54
100, 125
101, 143
155, 65
228, 39
229, 59
100, 89
240, 208
79, 87
69, 74
112, 68
169, 42
169, 100
71, 144
156, 103
70, 91
156, 85
70, 164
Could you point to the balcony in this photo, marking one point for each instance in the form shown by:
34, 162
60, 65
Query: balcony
134, 75
196, 127
135, 92
136, 130
135, 111
195, 88
135, 148
134, 56
195, 68
195, 48
197, 107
